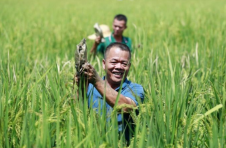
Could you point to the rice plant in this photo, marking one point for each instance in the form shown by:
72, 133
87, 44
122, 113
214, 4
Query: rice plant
179, 52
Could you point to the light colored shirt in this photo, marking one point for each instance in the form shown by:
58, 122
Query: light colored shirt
131, 90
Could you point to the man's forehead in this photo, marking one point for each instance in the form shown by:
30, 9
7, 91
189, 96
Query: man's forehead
117, 51
117, 58
119, 21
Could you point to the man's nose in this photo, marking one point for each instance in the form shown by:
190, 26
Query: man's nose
119, 65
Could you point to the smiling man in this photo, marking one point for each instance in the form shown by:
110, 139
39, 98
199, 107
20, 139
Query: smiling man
119, 25
116, 64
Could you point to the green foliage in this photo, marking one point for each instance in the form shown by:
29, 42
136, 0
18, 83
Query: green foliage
179, 58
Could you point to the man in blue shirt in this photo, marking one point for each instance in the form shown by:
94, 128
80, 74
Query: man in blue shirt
116, 64
119, 25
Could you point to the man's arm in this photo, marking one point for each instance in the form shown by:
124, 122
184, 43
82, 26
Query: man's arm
105, 90
111, 94
95, 44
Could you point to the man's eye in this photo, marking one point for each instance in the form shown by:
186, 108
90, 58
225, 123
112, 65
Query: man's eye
124, 64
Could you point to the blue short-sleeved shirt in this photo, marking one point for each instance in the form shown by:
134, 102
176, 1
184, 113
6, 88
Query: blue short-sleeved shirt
131, 90
110, 39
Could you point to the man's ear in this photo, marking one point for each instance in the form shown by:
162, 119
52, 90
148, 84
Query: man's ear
103, 63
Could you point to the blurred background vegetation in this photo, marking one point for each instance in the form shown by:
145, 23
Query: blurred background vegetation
178, 56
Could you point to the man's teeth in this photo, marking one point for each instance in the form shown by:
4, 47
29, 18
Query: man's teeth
118, 73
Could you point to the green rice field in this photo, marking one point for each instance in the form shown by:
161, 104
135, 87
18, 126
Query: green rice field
179, 57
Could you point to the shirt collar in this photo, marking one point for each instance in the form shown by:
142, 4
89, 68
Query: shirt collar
124, 84
112, 39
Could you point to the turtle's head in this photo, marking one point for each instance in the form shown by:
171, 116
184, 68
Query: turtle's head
82, 45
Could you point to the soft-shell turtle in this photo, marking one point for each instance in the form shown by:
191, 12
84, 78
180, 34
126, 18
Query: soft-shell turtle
80, 59
80, 56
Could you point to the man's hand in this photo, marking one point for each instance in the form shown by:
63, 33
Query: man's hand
98, 40
90, 73
96, 43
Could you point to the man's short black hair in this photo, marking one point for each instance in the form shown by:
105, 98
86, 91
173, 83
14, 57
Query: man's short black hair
121, 17
121, 46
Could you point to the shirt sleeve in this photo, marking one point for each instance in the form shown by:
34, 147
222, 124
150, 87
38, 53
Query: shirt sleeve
136, 93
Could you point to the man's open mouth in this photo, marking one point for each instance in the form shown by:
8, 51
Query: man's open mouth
118, 73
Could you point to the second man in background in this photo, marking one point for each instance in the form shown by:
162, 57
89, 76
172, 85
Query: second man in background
119, 25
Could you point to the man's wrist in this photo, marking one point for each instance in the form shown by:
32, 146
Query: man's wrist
96, 44
97, 81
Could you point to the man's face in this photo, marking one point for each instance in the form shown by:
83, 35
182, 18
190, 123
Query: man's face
119, 27
117, 63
